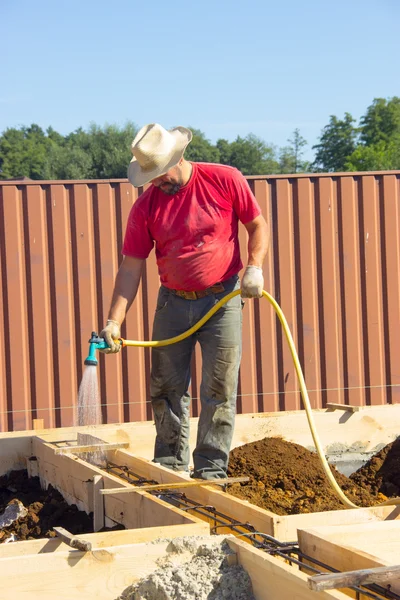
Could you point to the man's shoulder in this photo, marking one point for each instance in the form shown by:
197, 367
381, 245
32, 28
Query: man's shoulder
217, 169
145, 198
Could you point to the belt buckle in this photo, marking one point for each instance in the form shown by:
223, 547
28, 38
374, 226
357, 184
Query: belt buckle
190, 295
186, 295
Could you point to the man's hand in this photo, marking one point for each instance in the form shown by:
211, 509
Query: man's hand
252, 282
110, 333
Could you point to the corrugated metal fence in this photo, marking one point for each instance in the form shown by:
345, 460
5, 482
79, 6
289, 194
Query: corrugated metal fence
333, 266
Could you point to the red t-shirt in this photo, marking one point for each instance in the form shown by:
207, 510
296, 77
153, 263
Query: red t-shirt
196, 230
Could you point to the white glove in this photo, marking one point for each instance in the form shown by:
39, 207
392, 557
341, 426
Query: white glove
252, 282
110, 333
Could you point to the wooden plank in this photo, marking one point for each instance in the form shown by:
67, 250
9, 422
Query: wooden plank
273, 578
102, 574
37, 424
98, 503
347, 407
106, 538
72, 540
354, 547
173, 486
90, 448
333, 581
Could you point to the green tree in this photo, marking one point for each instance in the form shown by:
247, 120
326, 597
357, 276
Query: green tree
250, 155
290, 157
381, 122
67, 162
297, 143
23, 152
108, 148
381, 156
337, 141
200, 149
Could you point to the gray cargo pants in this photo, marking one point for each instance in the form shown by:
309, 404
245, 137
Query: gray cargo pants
221, 345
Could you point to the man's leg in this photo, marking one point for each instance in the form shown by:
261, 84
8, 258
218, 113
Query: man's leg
221, 343
170, 378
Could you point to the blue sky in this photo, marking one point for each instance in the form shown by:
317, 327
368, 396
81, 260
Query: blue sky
227, 68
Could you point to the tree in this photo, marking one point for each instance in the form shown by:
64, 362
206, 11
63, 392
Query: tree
297, 143
250, 155
337, 141
200, 149
67, 162
381, 122
290, 157
381, 156
23, 152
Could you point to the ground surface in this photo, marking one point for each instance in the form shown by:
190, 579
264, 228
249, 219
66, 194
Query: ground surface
46, 509
286, 478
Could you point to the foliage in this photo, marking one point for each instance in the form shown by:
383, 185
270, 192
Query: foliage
381, 122
105, 152
250, 155
337, 141
200, 149
381, 156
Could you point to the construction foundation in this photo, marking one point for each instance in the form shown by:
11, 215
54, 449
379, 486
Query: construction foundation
283, 555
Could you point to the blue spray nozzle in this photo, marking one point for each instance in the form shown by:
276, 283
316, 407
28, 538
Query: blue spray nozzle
95, 343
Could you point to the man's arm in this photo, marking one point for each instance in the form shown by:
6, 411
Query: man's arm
125, 290
253, 280
258, 241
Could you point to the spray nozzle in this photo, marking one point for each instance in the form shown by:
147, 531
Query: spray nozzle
95, 343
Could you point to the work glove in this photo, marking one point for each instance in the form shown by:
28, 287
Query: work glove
252, 282
111, 333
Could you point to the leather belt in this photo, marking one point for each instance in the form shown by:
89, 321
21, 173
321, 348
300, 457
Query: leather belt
214, 289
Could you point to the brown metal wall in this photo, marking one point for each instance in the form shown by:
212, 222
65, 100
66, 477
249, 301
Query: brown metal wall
333, 266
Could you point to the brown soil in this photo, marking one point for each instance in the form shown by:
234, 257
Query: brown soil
381, 474
286, 478
46, 509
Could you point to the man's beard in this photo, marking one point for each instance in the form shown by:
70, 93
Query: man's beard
170, 188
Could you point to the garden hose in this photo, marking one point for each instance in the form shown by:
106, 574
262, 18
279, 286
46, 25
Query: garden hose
303, 390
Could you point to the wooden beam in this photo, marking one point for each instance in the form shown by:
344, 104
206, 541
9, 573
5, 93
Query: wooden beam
333, 581
37, 424
72, 541
117, 537
98, 503
173, 486
272, 578
90, 448
346, 407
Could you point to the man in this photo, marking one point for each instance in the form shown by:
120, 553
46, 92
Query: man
190, 213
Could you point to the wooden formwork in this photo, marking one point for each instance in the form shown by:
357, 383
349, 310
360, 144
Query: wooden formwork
355, 546
104, 573
147, 517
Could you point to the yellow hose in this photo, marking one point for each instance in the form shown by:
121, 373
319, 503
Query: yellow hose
303, 389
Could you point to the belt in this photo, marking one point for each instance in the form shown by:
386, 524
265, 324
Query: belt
214, 289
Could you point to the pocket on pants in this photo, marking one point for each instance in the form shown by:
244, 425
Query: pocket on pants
162, 299
168, 424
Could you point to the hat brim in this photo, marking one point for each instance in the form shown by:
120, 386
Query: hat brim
138, 177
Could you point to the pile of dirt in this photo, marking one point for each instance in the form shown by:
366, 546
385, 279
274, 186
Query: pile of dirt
381, 474
286, 478
45, 509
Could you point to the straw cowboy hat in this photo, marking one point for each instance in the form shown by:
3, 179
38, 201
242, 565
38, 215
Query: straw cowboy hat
156, 150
